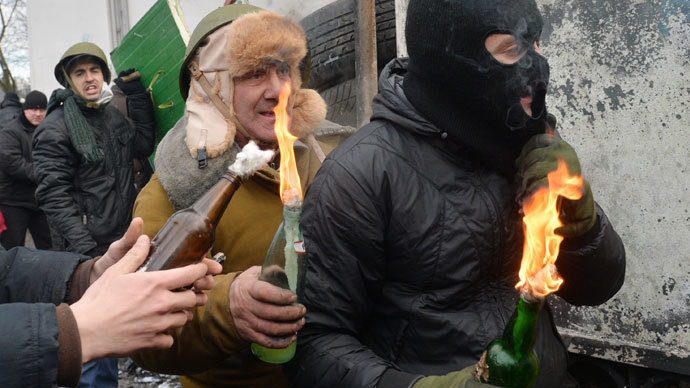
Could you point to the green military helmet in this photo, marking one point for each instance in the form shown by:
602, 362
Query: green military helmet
77, 51
211, 22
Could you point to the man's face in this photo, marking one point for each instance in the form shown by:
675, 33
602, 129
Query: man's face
87, 78
255, 96
34, 116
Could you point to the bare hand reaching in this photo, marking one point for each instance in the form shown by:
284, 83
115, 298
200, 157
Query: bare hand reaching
263, 313
124, 311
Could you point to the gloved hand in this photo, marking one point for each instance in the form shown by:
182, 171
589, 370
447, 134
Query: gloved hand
540, 156
129, 85
459, 379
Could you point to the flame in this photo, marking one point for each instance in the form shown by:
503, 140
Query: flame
538, 275
290, 186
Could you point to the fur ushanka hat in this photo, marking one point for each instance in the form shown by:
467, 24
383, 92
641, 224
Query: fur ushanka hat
233, 50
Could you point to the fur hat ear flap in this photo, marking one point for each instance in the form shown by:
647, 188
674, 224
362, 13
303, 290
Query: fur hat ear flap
308, 111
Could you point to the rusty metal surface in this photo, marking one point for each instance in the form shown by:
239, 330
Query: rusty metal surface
620, 87
365, 60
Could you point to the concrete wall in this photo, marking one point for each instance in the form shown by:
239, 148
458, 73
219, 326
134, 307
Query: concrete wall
620, 86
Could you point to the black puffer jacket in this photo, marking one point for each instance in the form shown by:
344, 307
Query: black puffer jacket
413, 249
16, 170
89, 205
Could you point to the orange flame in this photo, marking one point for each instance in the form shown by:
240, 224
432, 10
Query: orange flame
537, 271
290, 186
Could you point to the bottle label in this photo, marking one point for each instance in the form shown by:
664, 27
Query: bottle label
299, 247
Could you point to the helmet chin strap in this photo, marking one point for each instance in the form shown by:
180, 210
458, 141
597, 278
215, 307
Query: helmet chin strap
221, 106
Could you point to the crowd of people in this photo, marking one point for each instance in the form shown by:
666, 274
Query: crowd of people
412, 224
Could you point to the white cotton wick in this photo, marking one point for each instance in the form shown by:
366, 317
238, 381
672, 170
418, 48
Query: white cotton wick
250, 159
291, 198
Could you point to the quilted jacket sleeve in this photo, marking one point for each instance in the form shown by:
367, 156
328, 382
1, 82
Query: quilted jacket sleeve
32, 283
592, 265
140, 111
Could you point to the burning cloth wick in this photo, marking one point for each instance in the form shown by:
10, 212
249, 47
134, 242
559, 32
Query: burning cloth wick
290, 185
538, 275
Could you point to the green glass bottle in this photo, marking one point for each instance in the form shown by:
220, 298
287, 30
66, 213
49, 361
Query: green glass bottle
281, 268
510, 360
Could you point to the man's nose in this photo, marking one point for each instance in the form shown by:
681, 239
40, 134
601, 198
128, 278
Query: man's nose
89, 76
274, 85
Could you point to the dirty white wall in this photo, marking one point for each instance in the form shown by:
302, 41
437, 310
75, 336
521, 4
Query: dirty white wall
56, 25
620, 86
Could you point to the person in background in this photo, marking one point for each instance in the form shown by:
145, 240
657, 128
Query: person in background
413, 227
88, 308
82, 154
17, 179
10, 107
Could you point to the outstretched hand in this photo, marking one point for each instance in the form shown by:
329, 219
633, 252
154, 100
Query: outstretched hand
120, 247
263, 313
124, 311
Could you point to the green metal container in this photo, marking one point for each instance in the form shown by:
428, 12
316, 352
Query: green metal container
155, 47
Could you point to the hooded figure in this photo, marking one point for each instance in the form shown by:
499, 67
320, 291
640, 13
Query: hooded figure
412, 227
237, 59
10, 107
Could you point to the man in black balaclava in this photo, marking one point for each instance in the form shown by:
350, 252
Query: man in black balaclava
412, 227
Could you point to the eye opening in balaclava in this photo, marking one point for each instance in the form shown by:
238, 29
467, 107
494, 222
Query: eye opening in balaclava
446, 46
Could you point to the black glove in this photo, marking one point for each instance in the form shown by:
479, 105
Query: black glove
540, 156
131, 86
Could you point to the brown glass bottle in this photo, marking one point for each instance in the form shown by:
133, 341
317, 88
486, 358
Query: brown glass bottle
189, 233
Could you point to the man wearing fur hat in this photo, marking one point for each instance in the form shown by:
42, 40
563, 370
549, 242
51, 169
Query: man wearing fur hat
82, 154
417, 276
237, 60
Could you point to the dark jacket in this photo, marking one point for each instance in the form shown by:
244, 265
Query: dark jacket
10, 108
32, 283
413, 249
89, 205
16, 170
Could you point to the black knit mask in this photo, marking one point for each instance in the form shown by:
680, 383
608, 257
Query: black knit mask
446, 46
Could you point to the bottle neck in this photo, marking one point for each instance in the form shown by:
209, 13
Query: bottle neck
292, 213
521, 331
213, 203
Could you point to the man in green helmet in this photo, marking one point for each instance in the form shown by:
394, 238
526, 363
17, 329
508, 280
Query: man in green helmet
237, 60
82, 155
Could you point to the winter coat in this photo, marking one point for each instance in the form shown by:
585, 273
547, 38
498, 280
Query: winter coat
32, 283
16, 169
9, 110
208, 349
413, 249
89, 204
